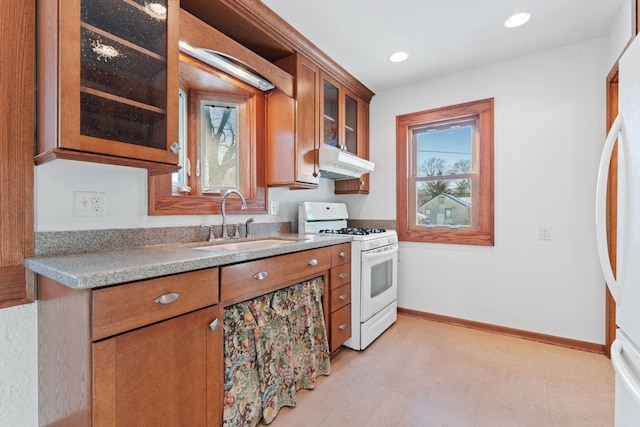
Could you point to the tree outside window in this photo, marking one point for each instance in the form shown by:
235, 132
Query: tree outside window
445, 174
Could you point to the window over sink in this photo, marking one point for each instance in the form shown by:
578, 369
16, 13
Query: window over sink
222, 139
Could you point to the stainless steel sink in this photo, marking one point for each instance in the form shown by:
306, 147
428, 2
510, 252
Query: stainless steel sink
247, 245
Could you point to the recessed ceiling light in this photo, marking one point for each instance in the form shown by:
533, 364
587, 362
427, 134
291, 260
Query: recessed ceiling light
398, 56
517, 20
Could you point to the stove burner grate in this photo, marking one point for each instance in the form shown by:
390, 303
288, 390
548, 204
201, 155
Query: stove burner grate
354, 231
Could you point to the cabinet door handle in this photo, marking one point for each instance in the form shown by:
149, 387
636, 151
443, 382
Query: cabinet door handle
167, 298
342, 275
175, 147
342, 297
342, 327
261, 275
313, 262
342, 254
214, 325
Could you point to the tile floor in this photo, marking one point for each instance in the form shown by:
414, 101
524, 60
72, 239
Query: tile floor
424, 373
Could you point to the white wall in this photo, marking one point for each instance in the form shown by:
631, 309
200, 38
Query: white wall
622, 30
126, 199
18, 366
549, 129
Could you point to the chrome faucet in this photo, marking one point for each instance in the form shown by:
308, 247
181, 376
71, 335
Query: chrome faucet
225, 235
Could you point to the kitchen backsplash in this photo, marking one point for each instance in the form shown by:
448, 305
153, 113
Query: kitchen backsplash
69, 242
387, 224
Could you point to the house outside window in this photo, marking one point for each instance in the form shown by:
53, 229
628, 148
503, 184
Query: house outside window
445, 174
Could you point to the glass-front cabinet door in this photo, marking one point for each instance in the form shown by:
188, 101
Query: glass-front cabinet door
345, 125
350, 124
117, 63
331, 113
340, 117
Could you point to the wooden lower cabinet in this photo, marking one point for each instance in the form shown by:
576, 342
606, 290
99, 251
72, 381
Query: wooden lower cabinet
150, 353
243, 281
161, 363
166, 374
339, 301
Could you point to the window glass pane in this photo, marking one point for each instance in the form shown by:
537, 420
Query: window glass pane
444, 202
444, 150
219, 145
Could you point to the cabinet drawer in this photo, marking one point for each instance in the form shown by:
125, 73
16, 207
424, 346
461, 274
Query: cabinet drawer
340, 254
240, 282
340, 275
340, 326
124, 307
340, 297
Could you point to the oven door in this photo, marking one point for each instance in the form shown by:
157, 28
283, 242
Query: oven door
379, 280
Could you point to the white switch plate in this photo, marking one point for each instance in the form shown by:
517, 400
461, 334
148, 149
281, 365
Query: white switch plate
274, 208
544, 232
88, 203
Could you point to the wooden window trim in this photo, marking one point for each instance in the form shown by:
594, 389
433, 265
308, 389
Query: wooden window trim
483, 232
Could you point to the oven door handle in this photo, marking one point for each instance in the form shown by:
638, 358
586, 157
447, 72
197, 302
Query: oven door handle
371, 255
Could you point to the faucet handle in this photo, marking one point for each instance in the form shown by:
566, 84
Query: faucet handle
236, 235
211, 233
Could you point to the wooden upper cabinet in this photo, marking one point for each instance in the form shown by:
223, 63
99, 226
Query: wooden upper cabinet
345, 125
293, 128
324, 111
107, 91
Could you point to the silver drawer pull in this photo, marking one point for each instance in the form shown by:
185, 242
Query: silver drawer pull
313, 262
342, 327
167, 298
342, 275
342, 254
342, 297
214, 325
261, 275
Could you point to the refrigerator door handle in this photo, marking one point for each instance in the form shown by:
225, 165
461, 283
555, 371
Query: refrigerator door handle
623, 370
601, 208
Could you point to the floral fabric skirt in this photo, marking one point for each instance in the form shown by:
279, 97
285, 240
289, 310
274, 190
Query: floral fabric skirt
274, 345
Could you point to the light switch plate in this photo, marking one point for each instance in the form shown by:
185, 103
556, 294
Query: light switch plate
544, 232
88, 203
274, 208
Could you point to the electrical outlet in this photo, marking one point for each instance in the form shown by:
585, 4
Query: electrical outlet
87, 203
544, 232
274, 208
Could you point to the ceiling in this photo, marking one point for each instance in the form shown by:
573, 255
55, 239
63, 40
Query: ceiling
441, 36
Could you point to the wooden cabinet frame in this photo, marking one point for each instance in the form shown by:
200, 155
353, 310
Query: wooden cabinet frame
17, 139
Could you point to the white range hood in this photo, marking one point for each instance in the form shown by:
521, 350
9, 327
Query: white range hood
338, 164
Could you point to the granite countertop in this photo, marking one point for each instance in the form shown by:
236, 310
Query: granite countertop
110, 267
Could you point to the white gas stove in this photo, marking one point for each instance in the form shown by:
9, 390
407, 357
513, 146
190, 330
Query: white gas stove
374, 269
331, 218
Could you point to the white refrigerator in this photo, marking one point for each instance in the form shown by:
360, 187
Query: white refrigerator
625, 287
